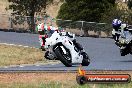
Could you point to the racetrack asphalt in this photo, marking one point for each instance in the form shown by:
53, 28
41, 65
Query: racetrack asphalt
104, 54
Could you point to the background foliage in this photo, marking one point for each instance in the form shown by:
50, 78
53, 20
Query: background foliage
85, 10
28, 8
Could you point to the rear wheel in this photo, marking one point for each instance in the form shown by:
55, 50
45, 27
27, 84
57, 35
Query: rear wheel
46, 55
86, 60
65, 58
42, 48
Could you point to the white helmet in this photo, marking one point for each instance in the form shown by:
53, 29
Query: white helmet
40, 27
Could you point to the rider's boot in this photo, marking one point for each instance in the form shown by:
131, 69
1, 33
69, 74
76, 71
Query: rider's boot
77, 45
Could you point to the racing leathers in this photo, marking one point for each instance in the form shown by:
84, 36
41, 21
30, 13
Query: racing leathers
121, 31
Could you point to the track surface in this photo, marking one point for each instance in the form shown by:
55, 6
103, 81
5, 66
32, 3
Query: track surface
104, 54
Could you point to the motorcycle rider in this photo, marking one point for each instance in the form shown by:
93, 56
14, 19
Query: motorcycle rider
42, 35
119, 29
44, 32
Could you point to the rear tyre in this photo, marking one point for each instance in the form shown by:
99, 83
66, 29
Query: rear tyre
86, 60
50, 56
46, 55
42, 48
64, 58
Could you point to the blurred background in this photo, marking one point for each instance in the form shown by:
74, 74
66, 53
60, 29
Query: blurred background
82, 19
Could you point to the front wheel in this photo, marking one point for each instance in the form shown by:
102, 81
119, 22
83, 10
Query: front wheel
64, 58
86, 60
131, 50
123, 53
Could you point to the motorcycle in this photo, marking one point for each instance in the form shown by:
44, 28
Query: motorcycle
125, 43
63, 47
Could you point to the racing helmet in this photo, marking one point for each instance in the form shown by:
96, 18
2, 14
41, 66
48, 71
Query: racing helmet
40, 27
116, 23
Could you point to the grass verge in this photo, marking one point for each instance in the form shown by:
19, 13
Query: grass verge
62, 85
16, 55
49, 80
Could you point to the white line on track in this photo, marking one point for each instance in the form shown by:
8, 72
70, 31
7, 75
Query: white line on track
18, 45
5, 67
37, 65
21, 66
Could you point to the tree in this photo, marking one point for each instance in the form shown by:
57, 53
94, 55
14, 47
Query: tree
129, 4
86, 10
28, 8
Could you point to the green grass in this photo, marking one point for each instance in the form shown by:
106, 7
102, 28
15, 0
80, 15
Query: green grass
42, 85
129, 85
61, 85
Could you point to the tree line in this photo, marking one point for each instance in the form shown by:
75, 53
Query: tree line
75, 10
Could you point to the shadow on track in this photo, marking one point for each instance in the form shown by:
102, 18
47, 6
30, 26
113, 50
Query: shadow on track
61, 66
126, 61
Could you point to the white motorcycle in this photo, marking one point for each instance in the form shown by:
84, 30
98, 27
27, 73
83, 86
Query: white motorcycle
63, 47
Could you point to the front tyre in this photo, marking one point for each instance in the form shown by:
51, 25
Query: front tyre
131, 50
64, 58
123, 52
86, 60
